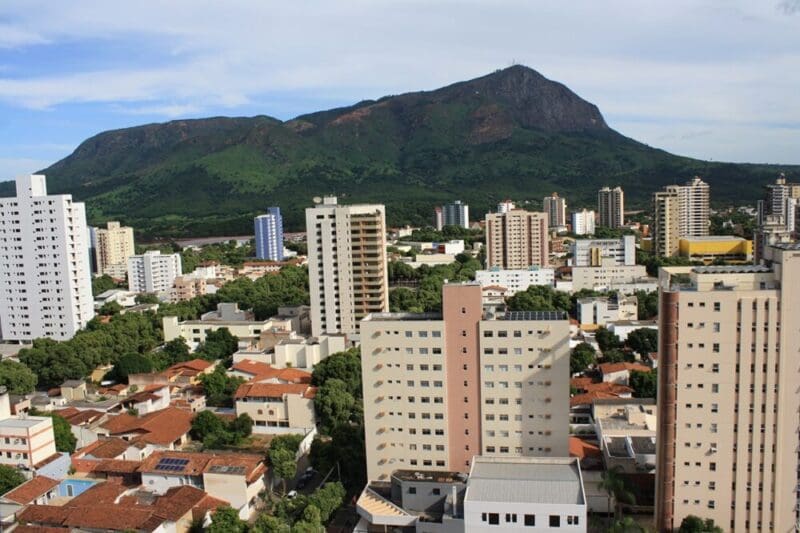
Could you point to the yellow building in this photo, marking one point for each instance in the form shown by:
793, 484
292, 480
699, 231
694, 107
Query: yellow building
716, 247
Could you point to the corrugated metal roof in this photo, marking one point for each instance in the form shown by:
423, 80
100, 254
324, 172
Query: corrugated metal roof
548, 482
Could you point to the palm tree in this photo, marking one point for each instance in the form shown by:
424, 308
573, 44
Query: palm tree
614, 484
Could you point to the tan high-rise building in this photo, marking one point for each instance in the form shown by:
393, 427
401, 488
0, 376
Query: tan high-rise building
611, 207
113, 246
666, 222
517, 239
442, 388
728, 397
346, 265
556, 209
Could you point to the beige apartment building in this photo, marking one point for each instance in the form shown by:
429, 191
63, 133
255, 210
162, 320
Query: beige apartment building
680, 211
517, 239
346, 265
113, 247
728, 396
666, 230
442, 388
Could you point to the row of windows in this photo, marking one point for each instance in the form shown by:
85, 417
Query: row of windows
554, 520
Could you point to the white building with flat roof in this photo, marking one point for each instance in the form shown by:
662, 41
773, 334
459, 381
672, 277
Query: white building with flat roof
604, 252
24, 440
153, 271
583, 222
524, 494
515, 280
45, 275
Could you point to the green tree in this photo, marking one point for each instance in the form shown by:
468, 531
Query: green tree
103, 283
10, 478
266, 523
644, 384
626, 525
333, 405
109, 309
647, 304
290, 441
131, 363
219, 387
226, 520
614, 484
540, 298
344, 366
615, 355
607, 340
148, 298
219, 344
16, 377
206, 423
62, 431
643, 340
582, 356
402, 299
327, 500
176, 351
695, 524
284, 464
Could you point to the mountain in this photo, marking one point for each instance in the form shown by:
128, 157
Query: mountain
512, 133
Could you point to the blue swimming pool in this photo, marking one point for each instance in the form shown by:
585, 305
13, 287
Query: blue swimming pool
74, 487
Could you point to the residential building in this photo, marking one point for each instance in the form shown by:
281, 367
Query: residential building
269, 235
24, 440
610, 278
611, 207
666, 222
620, 373
456, 214
153, 272
583, 222
623, 328
438, 218
556, 209
713, 248
291, 350
469, 384
165, 429
346, 265
604, 252
188, 287
278, 402
771, 231
600, 311
113, 245
233, 477
122, 297
626, 431
728, 398
505, 206
780, 199
517, 239
525, 494
45, 280
515, 281
40, 490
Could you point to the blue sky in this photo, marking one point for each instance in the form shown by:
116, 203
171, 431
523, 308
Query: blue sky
712, 79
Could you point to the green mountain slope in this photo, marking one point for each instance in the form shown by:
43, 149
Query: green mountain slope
512, 133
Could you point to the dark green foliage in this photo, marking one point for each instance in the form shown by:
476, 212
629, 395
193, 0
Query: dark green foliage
582, 356
427, 296
226, 520
289, 442
643, 341
109, 309
16, 377
607, 340
615, 355
10, 478
267, 293
344, 366
219, 344
540, 298
327, 500
65, 440
345, 447
333, 404
226, 253
219, 387
448, 233
695, 524
101, 284
98, 344
647, 305
214, 432
644, 384
481, 140
652, 262
266, 523
176, 351
147, 298
131, 363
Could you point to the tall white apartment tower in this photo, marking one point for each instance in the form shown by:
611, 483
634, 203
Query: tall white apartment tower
693, 206
611, 207
346, 265
45, 277
153, 271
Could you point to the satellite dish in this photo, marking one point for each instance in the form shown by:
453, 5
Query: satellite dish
317, 200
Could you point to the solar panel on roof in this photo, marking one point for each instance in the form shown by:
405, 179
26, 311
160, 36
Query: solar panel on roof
171, 464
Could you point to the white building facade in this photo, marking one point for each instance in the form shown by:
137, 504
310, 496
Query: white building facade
45, 275
153, 271
583, 222
515, 280
604, 252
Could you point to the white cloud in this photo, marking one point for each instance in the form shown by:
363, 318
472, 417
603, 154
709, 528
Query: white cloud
732, 66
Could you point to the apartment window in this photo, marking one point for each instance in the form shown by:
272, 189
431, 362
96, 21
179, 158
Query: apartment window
715, 347
409, 334
412, 490
494, 519
715, 387
717, 306
530, 520
716, 327
712, 467
714, 408
555, 520
715, 367
572, 520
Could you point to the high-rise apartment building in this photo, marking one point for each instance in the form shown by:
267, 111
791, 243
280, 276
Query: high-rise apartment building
113, 245
346, 265
505, 206
604, 252
442, 388
455, 214
666, 222
583, 222
269, 235
556, 209
611, 207
153, 272
517, 239
728, 400
45, 280
438, 218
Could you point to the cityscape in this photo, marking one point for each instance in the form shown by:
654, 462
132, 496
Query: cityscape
261, 307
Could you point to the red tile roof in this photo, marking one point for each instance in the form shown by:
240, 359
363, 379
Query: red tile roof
590, 397
76, 417
582, 449
199, 463
109, 448
161, 427
30, 490
178, 501
274, 390
262, 371
610, 368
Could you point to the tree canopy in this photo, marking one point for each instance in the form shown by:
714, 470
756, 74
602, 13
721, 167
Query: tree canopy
643, 340
695, 524
16, 377
644, 384
10, 478
220, 387
540, 298
582, 356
